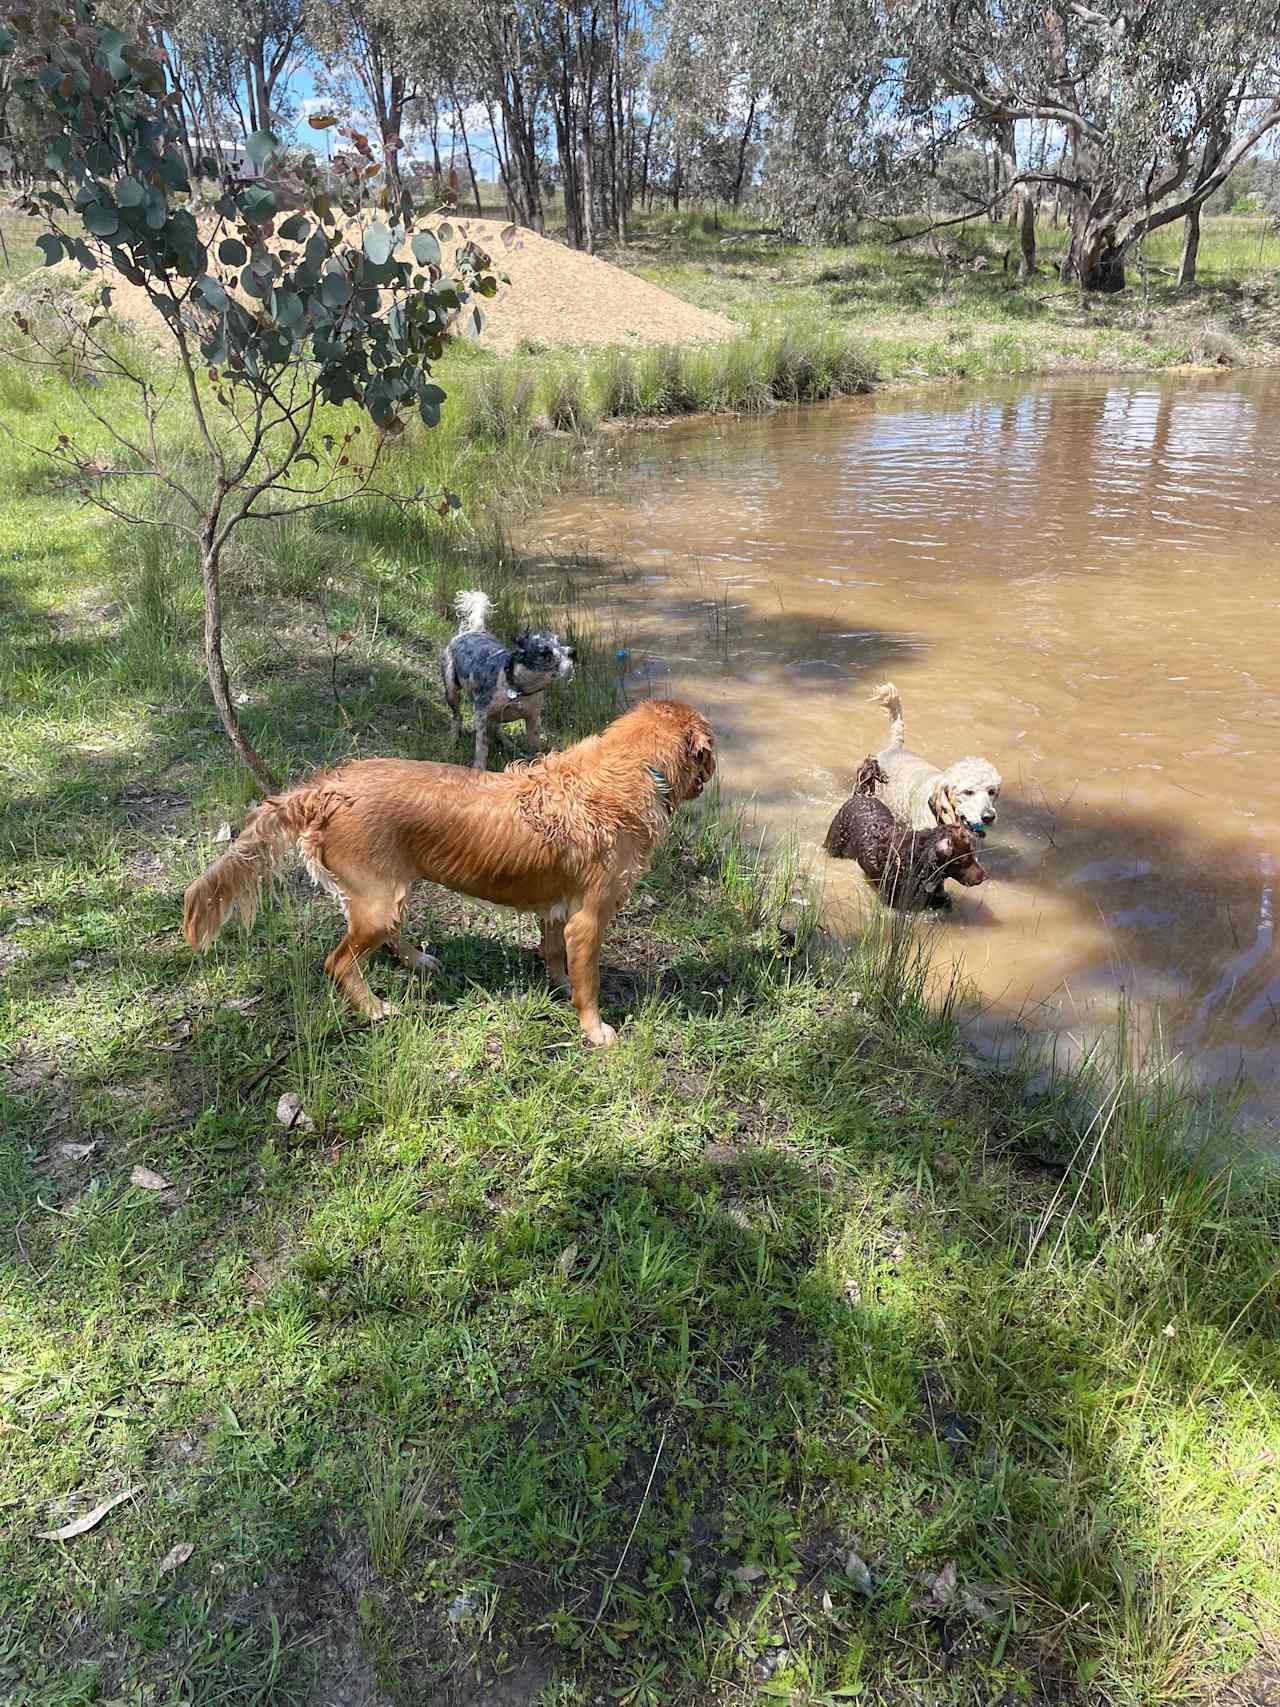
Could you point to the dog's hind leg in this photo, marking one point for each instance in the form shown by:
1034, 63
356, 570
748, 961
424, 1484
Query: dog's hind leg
481, 760
555, 954
452, 690
583, 935
372, 919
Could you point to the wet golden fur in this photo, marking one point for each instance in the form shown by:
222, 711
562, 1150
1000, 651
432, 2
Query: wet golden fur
565, 837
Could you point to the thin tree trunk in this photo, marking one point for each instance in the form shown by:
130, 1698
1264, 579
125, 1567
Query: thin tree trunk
466, 150
644, 163
504, 173
1027, 229
211, 576
1190, 247
743, 142
437, 171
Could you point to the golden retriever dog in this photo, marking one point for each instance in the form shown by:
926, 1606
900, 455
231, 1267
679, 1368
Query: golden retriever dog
565, 837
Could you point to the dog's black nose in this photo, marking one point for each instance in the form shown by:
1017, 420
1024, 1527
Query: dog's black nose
988, 817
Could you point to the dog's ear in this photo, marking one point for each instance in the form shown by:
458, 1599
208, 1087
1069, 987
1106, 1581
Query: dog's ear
943, 803
699, 754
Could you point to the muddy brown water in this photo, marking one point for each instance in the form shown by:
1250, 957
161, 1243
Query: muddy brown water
1079, 580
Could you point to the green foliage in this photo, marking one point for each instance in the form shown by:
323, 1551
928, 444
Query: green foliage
280, 279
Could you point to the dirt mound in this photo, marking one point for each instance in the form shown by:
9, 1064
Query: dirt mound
556, 296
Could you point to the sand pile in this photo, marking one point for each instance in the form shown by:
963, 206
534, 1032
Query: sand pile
556, 296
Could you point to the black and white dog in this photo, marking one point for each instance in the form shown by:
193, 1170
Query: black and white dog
506, 683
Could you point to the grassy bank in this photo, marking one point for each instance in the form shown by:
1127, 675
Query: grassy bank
951, 309
778, 1353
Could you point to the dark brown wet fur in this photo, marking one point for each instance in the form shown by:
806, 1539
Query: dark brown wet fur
909, 867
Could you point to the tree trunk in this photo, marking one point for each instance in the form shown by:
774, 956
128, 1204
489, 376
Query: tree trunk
588, 187
743, 142
1093, 258
211, 575
437, 171
471, 170
1190, 247
262, 98
644, 163
1027, 229
390, 124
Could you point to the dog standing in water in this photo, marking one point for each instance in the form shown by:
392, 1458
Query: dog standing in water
922, 795
907, 866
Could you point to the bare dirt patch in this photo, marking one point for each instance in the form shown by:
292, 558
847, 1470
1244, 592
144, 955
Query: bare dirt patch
555, 296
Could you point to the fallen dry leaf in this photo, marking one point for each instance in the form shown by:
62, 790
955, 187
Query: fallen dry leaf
76, 1152
177, 1555
941, 1587
90, 1520
565, 1261
148, 1180
290, 1113
223, 834
984, 1603
748, 1573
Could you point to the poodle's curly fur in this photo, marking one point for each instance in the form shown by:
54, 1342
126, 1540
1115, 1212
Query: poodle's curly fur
921, 794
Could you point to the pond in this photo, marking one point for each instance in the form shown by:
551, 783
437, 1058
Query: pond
1078, 579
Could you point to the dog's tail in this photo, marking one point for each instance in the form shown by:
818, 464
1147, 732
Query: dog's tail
473, 610
868, 778
889, 697
235, 880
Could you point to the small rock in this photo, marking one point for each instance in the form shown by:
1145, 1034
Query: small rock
148, 1180
223, 833
290, 1113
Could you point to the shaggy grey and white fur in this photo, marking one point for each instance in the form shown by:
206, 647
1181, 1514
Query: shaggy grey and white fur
505, 683
921, 794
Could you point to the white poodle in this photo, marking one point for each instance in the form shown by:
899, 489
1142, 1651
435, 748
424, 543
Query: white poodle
922, 795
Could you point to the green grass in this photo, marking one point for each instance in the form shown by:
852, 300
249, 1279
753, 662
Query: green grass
676, 1373
916, 313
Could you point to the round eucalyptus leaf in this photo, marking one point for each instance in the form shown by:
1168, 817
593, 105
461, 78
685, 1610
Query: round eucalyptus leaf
335, 291
212, 292
261, 146
101, 219
378, 244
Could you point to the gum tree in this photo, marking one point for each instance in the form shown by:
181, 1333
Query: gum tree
293, 295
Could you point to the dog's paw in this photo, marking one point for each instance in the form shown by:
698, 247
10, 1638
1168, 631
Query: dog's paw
379, 1010
600, 1034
